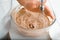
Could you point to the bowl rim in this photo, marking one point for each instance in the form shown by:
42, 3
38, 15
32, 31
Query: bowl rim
37, 29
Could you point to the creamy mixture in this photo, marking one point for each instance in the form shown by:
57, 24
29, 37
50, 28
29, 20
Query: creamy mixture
31, 20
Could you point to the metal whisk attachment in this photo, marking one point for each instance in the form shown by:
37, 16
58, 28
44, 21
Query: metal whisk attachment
42, 5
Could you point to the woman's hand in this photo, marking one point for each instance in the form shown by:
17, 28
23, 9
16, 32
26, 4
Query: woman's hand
30, 4
33, 6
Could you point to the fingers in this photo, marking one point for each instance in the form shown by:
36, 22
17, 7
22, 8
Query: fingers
48, 12
30, 3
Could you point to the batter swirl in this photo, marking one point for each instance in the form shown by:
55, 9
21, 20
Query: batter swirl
31, 20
